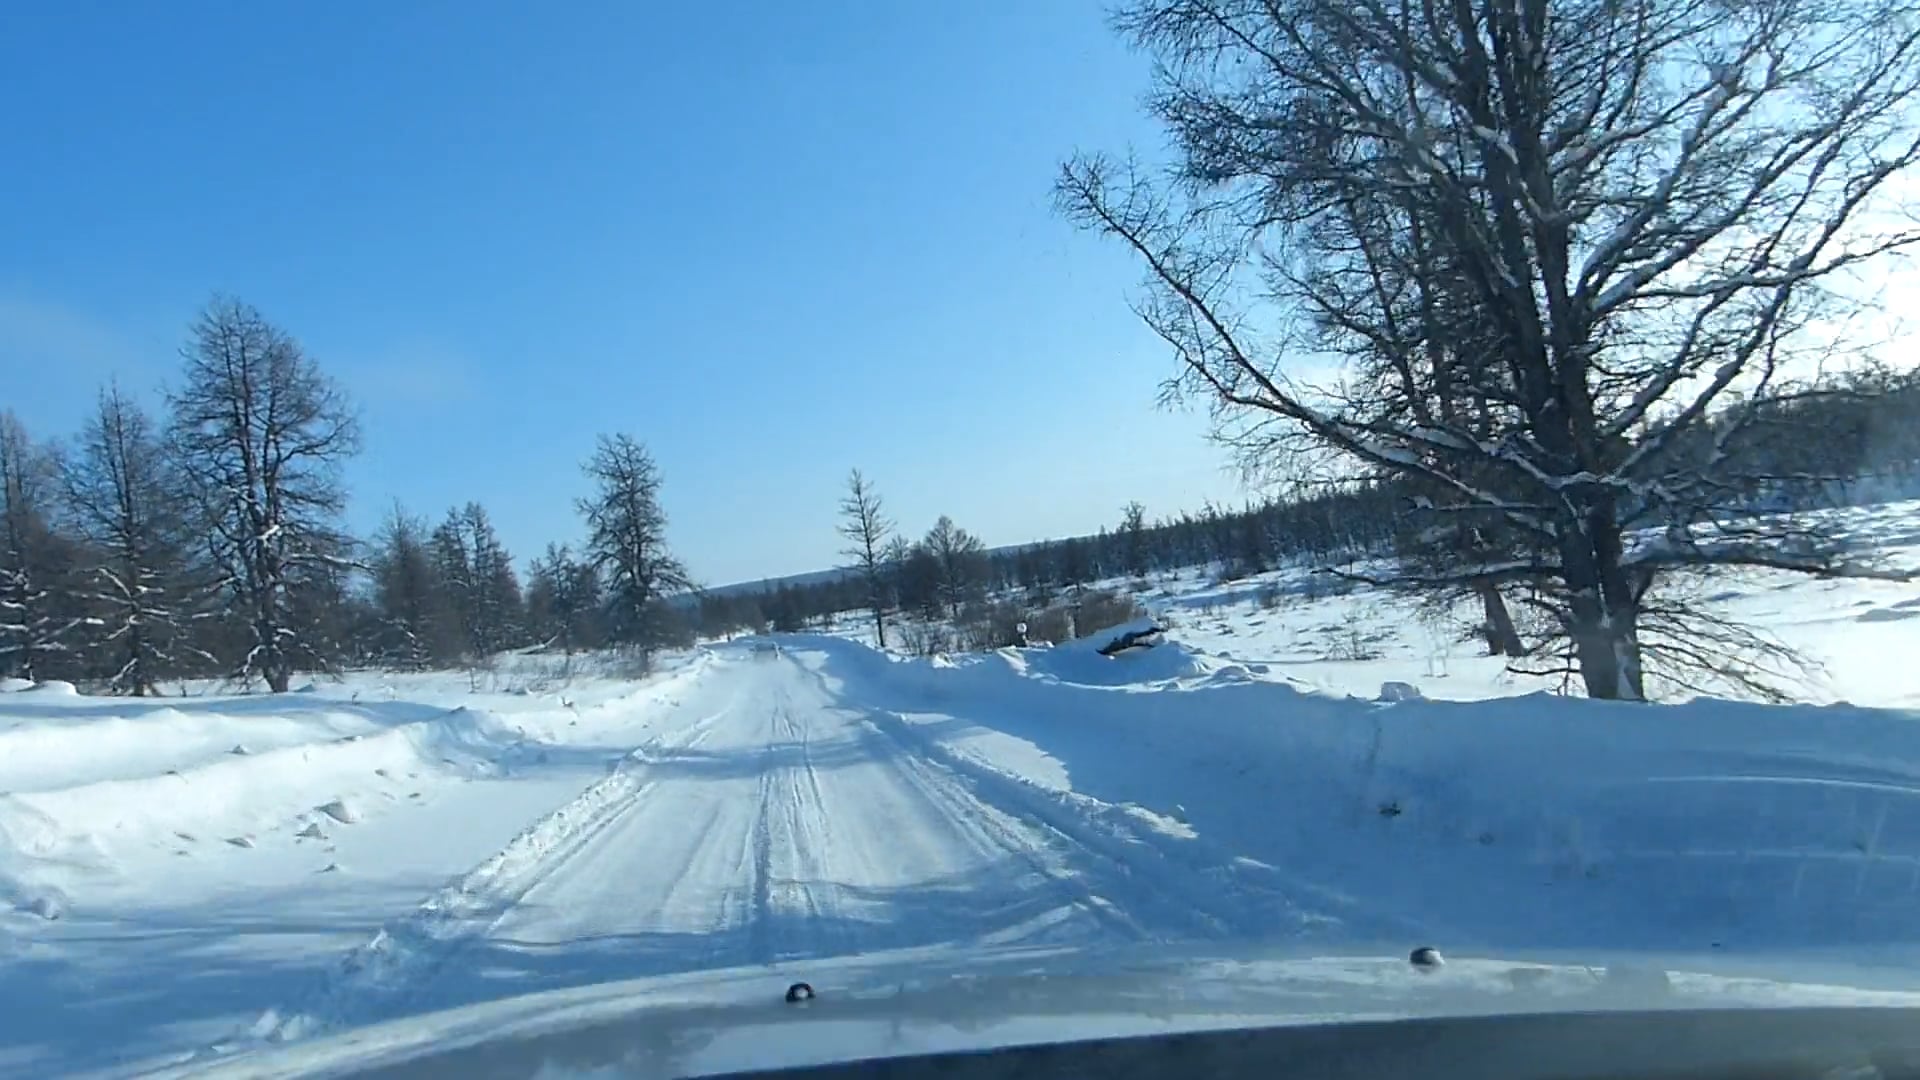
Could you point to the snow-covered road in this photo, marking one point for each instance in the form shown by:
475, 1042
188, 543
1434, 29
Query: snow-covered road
389, 849
782, 823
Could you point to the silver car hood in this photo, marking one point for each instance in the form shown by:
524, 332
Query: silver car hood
918, 1002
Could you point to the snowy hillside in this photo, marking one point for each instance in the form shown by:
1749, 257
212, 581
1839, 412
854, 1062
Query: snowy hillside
194, 878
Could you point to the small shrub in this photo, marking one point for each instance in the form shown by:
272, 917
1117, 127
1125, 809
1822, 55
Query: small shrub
1103, 610
993, 626
1049, 626
630, 662
923, 638
1346, 642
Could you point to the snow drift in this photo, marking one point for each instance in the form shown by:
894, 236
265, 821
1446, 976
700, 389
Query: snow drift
1534, 821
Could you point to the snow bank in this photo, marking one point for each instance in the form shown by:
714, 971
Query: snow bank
238, 794
63, 746
1534, 819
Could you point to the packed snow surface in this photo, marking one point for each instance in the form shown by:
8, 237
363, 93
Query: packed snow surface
193, 879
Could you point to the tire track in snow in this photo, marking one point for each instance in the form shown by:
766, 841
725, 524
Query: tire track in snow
944, 787
953, 824
1185, 883
760, 907
374, 978
802, 854
859, 837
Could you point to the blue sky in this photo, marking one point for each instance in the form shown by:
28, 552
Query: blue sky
772, 240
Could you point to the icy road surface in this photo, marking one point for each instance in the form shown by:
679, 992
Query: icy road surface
782, 823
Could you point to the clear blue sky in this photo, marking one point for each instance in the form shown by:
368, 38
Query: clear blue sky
773, 240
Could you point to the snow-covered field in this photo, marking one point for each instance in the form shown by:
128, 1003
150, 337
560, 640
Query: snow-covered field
192, 880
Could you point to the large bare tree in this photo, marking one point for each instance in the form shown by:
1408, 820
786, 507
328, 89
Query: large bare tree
866, 527
261, 433
1549, 257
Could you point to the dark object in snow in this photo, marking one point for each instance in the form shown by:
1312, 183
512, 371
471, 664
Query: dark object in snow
1527, 978
1425, 958
46, 905
1641, 983
1399, 691
799, 992
1141, 639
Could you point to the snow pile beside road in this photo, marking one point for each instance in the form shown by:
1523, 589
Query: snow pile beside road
1533, 820
236, 794
178, 864
1155, 659
92, 789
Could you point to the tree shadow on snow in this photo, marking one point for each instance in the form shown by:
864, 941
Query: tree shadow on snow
105, 993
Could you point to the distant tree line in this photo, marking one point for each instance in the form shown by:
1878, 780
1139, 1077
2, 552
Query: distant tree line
208, 541
1806, 450
946, 589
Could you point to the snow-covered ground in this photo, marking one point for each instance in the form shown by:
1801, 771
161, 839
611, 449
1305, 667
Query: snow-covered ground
1860, 635
194, 880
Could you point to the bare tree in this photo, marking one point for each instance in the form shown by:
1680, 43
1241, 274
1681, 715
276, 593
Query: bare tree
1133, 538
36, 615
866, 527
260, 433
129, 506
482, 591
416, 626
564, 599
499, 608
959, 561
1610, 229
627, 542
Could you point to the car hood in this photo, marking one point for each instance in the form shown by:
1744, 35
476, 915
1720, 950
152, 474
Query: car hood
897, 1004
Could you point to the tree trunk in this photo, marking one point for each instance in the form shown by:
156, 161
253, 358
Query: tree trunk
1607, 647
880, 627
275, 667
1604, 608
1503, 639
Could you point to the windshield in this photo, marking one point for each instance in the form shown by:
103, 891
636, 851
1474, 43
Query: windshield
1350, 508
